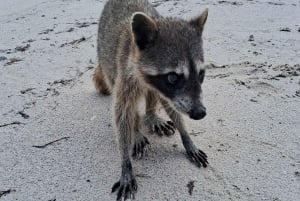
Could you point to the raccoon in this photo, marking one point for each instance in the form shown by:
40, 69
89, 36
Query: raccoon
142, 54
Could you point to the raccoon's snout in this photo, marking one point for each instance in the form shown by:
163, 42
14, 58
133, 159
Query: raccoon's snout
198, 113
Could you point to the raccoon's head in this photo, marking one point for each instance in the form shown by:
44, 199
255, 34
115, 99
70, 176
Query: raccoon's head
170, 59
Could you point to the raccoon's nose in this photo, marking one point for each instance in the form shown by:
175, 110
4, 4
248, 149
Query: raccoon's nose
198, 113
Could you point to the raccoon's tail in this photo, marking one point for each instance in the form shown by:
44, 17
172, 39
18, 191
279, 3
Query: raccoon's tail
100, 83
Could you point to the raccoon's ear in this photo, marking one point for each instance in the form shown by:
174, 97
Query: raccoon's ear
200, 21
144, 29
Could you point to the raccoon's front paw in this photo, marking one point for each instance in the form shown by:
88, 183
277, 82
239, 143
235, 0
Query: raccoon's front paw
139, 147
160, 126
164, 128
198, 157
126, 187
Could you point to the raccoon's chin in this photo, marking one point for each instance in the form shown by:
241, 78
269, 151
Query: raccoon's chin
180, 109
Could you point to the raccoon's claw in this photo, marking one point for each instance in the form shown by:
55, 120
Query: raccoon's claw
126, 187
171, 124
164, 128
198, 157
139, 148
159, 126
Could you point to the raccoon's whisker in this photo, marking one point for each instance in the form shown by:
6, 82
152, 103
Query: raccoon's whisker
183, 106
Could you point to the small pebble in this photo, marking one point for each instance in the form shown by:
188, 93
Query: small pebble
253, 100
286, 29
251, 38
2, 58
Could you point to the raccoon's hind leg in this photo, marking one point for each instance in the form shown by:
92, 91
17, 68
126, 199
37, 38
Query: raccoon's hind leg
155, 124
100, 82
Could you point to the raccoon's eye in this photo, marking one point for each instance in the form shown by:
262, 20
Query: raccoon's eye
172, 78
201, 75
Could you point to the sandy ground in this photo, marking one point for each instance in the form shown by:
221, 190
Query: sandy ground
252, 92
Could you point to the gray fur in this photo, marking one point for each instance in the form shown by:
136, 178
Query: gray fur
131, 69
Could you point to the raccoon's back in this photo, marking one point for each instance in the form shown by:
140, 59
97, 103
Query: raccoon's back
114, 23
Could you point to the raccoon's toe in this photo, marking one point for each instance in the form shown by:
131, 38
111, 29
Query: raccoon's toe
198, 157
160, 126
125, 188
162, 129
139, 148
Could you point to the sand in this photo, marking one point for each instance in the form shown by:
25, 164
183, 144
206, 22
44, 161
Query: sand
56, 136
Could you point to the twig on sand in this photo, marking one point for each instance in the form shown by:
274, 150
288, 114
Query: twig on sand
12, 123
50, 143
12, 61
3, 193
26, 90
214, 66
142, 175
75, 42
